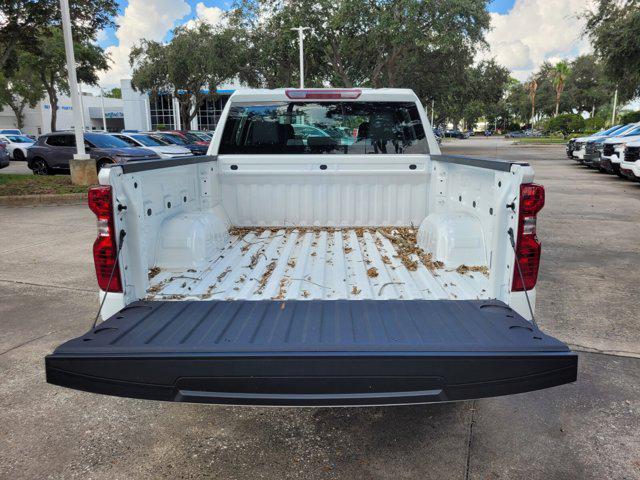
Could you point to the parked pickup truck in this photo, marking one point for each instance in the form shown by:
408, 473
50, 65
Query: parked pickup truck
318, 269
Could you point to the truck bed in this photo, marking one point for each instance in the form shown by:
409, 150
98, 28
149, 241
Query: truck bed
321, 264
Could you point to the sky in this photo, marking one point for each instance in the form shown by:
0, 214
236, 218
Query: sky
525, 32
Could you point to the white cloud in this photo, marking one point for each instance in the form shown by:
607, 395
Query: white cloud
141, 19
534, 31
211, 15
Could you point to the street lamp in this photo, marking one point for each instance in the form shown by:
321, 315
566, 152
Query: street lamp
83, 168
104, 117
301, 47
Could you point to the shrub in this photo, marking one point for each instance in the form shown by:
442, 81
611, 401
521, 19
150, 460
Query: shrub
630, 117
595, 123
566, 123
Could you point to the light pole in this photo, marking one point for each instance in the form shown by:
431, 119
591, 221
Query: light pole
83, 169
301, 47
615, 105
84, 125
433, 103
104, 117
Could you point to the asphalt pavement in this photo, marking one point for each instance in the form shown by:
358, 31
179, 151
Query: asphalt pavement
587, 296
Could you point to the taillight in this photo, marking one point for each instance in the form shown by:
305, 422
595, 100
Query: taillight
105, 249
323, 94
527, 245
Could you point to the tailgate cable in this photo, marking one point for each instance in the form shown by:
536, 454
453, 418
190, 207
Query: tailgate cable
115, 264
517, 262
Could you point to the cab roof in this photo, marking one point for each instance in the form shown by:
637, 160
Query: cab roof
325, 95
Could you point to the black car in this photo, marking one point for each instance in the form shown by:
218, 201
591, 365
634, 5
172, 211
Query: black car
175, 139
455, 133
53, 151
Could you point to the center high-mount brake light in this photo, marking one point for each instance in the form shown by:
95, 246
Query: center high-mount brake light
528, 247
323, 94
105, 248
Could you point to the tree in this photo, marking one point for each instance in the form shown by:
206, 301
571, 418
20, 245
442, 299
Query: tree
532, 88
23, 20
517, 103
190, 66
487, 84
560, 73
613, 28
51, 68
588, 89
115, 92
630, 117
369, 43
21, 89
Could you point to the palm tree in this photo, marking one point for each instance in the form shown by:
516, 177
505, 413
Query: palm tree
560, 73
532, 87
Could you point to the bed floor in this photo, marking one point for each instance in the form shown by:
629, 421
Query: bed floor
320, 264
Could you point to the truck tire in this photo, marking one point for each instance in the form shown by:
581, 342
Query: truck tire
18, 155
39, 166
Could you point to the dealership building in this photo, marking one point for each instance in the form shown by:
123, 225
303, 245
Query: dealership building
134, 111
37, 120
152, 112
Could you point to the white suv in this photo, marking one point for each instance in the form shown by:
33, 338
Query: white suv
630, 165
613, 150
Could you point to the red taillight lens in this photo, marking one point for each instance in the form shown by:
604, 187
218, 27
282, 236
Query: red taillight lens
531, 198
528, 248
100, 201
105, 249
323, 94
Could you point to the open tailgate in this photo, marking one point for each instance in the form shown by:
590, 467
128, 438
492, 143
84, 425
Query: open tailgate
339, 352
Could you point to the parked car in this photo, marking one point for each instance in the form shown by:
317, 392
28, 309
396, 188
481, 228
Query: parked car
579, 143
53, 151
201, 305
4, 156
515, 134
593, 148
488, 133
175, 139
17, 145
455, 133
10, 131
613, 151
203, 135
630, 165
160, 147
189, 137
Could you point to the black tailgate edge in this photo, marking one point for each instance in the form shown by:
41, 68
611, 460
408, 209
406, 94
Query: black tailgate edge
313, 353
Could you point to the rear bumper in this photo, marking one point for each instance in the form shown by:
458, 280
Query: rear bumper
315, 353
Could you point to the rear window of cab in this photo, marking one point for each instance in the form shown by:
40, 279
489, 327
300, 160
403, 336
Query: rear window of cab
324, 127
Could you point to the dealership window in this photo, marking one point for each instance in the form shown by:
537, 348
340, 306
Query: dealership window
161, 109
210, 111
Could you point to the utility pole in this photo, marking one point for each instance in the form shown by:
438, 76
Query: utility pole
104, 117
433, 103
301, 47
615, 105
84, 125
83, 168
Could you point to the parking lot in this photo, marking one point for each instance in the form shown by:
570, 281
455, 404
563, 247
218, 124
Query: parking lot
587, 297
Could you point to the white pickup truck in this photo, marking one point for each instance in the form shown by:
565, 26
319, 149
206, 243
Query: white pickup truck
324, 252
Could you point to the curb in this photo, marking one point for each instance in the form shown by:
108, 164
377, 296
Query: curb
44, 199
